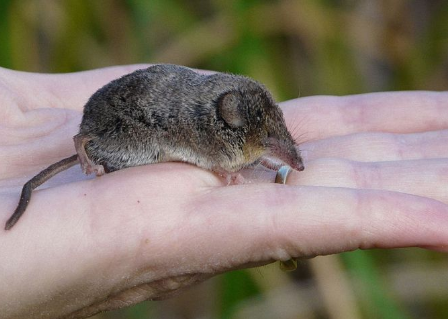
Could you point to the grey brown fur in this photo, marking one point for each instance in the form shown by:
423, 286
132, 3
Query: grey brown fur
219, 122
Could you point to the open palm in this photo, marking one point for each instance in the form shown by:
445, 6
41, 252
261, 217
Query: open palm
376, 177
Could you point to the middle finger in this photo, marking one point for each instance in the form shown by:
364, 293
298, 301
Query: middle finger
425, 177
377, 147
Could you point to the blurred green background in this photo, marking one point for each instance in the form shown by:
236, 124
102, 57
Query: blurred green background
297, 48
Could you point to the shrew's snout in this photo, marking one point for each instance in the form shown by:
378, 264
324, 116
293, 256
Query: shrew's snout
298, 164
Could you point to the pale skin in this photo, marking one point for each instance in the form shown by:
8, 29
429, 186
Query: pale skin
376, 177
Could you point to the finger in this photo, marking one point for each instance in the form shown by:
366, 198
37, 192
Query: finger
376, 147
427, 178
395, 112
272, 222
263, 222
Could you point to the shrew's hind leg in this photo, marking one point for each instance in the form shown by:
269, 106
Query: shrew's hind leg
87, 165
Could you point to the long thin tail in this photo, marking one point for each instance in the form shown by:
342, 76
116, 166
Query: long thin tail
35, 182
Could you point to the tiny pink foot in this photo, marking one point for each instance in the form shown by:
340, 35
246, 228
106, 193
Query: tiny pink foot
233, 178
89, 168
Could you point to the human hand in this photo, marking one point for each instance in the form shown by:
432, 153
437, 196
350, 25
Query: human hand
375, 177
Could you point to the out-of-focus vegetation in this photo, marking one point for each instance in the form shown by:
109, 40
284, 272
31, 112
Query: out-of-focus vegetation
297, 48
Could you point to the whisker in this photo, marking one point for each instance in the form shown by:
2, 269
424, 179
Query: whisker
302, 138
298, 127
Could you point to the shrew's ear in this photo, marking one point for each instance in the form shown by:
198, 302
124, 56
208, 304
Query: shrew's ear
230, 108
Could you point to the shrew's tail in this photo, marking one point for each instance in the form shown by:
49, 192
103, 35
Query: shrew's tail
35, 182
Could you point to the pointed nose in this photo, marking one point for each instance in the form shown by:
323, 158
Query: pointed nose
298, 165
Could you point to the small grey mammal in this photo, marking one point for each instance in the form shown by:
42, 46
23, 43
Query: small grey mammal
220, 122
